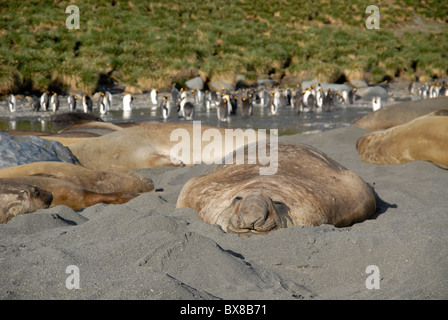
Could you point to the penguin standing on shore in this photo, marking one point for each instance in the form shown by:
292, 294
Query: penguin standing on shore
319, 99
127, 102
71, 101
153, 96
186, 109
103, 103
208, 100
349, 96
275, 102
87, 104
44, 101
109, 104
12, 103
328, 101
246, 105
376, 103
309, 100
54, 102
222, 110
165, 108
297, 101
411, 87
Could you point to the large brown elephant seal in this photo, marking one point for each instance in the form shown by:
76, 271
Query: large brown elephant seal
400, 113
151, 144
73, 195
19, 198
425, 138
309, 188
94, 180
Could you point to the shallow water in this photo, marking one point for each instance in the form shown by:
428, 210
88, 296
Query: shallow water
286, 120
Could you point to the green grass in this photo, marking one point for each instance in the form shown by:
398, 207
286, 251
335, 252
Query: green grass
144, 44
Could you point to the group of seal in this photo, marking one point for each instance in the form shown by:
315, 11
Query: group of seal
406, 132
424, 138
308, 188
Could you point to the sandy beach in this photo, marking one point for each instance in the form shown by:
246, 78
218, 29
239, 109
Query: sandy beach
148, 249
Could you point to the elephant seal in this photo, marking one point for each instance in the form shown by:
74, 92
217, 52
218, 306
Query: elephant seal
94, 180
82, 131
19, 198
309, 188
74, 117
97, 128
73, 195
150, 144
425, 138
400, 113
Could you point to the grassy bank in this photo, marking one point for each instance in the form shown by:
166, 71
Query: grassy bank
145, 44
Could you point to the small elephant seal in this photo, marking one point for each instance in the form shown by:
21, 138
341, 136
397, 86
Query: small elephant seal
94, 180
397, 114
73, 195
19, 198
425, 138
151, 144
74, 117
96, 128
309, 188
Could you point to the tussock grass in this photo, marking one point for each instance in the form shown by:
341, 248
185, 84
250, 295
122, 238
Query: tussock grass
146, 44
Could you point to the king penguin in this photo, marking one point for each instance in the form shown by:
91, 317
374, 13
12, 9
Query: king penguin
328, 101
376, 103
87, 103
186, 109
222, 110
127, 102
246, 105
44, 101
153, 95
165, 108
103, 103
54, 102
297, 101
71, 101
12, 103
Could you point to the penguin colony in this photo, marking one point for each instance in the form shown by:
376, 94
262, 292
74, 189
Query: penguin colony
224, 103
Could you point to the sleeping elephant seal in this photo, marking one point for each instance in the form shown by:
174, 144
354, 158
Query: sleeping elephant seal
151, 144
309, 188
94, 180
72, 195
425, 138
19, 198
400, 113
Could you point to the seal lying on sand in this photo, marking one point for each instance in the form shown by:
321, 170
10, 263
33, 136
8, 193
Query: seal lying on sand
425, 138
146, 145
72, 195
401, 113
96, 181
82, 131
18, 198
309, 188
